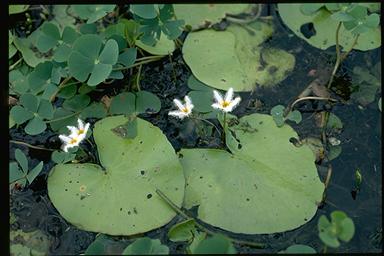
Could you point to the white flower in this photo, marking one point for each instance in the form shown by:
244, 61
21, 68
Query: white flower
184, 110
77, 135
69, 141
228, 103
80, 131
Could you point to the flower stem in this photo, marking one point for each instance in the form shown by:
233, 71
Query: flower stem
224, 127
139, 63
208, 122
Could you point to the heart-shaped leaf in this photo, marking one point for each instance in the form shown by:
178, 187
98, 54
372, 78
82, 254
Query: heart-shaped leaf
121, 199
267, 185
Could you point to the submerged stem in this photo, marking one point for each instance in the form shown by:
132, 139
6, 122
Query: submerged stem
201, 227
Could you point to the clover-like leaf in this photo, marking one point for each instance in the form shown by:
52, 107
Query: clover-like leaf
134, 169
147, 102
15, 173
85, 60
298, 249
93, 12
17, 8
146, 11
22, 160
217, 244
123, 103
128, 57
20, 115
49, 37
35, 126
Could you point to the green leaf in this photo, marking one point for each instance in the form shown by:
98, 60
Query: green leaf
13, 9
84, 89
11, 51
332, 7
40, 76
329, 240
67, 92
62, 53
92, 13
11, 122
48, 37
379, 104
49, 91
61, 157
217, 244
70, 35
29, 56
64, 117
183, 231
202, 100
94, 110
342, 16
88, 29
325, 28
195, 84
99, 73
105, 245
110, 53
310, 9
30, 102
372, 20
294, 116
128, 57
35, 172
143, 164
163, 46
347, 230
45, 109
173, 28
20, 115
131, 128
146, 11
77, 102
333, 152
146, 246
277, 114
234, 57
334, 122
79, 66
21, 158
299, 249
123, 103
35, 126
246, 176
14, 172
147, 102
18, 81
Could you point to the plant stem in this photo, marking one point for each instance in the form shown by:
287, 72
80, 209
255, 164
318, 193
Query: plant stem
173, 69
138, 63
29, 145
224, 127
62, 118
208, 122
138, 78
15, 64
61, 85
306, 98
201, 227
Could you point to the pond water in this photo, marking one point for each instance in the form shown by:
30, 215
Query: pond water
360, 140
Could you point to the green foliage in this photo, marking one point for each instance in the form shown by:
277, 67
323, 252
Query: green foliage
277, 114
340, 227
133, 170
28, 243
11, 47
235, 58
85, 60
128, 57
203, 15
263, 149
129, 103
92, 13
333, 152
34, 111
366, 82
105, 245
61, 157
146, 246
299, 249
182, 231
201, 95
19, 172
334, 122
29, 56
14, 9
217, 244
154, 20
325, 19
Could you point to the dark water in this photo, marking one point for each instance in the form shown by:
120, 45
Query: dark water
360, 140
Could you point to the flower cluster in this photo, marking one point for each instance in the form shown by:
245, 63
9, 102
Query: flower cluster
226, 104
77, 135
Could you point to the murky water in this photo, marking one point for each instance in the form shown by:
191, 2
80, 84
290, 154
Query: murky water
360, 140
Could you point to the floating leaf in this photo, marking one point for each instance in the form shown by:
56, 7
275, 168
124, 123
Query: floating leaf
267, 170
334, 122
105, 245
146, 11
124, 103
234, 58
366, 83
15, 173
94, 110
147, 102
146, 246
77, 102
182, 231
22, 160
295, 116
134, 169
61, 157
92, 12
298, 249
325, 27
35, 126
217, 244
202, 15
14, 9
32, 174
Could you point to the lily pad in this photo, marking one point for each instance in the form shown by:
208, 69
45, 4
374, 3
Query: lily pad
122, 199
325, 29
202, 15
234, 58
266, 185
163, 46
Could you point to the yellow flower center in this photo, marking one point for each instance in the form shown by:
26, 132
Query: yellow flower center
73, 141
185, 110
225, 104
81, 131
